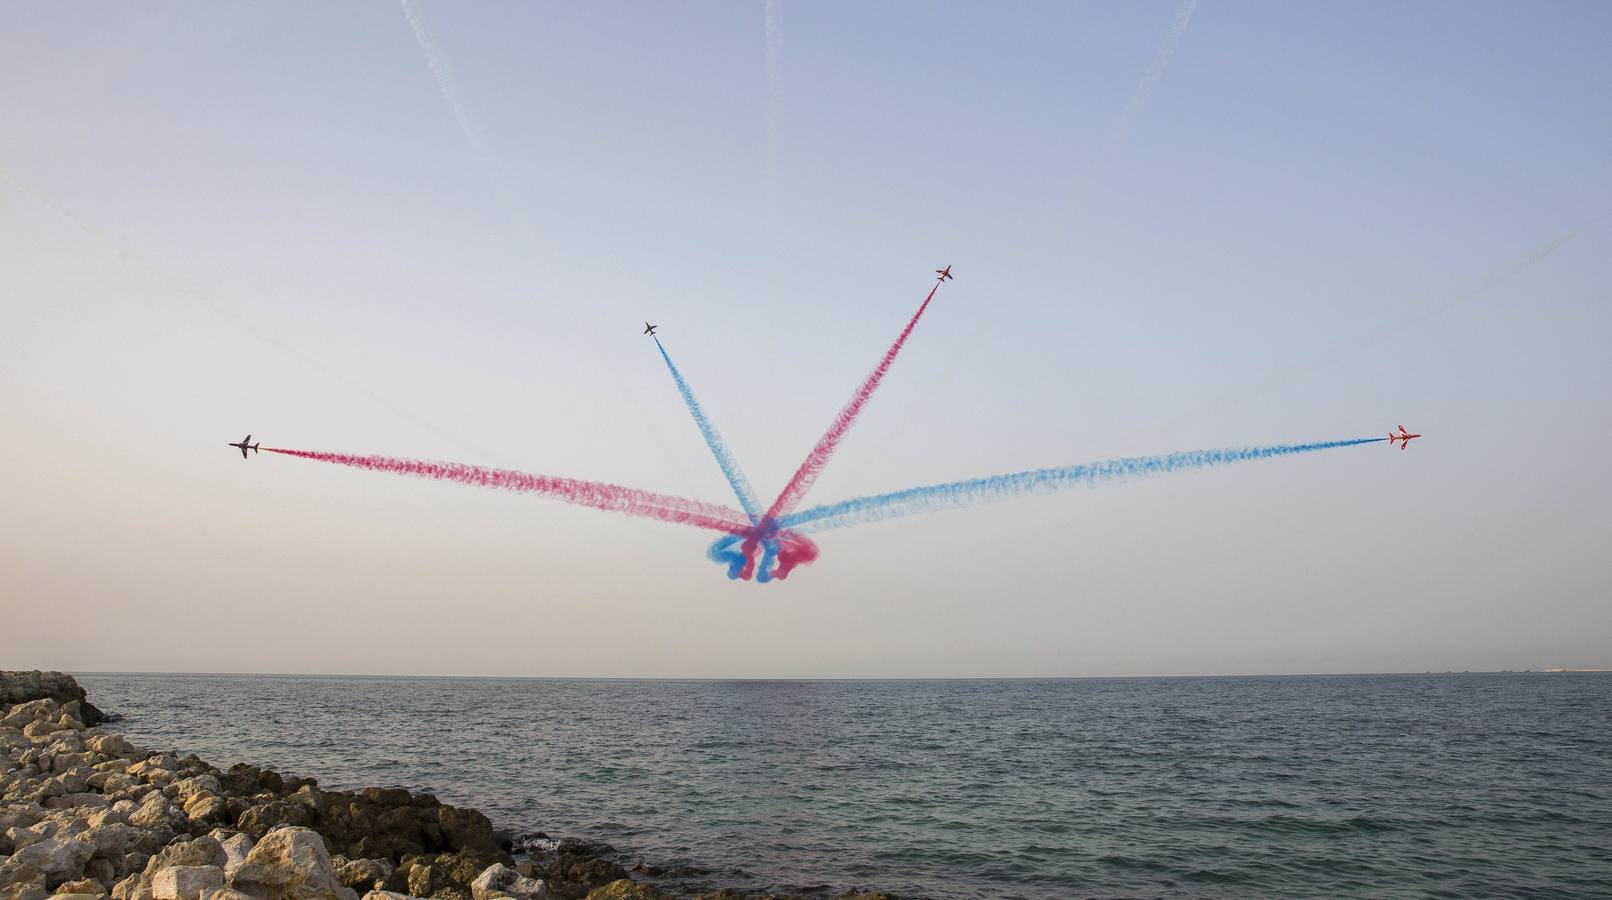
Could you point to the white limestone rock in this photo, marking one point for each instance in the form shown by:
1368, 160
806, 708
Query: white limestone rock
186, 882
290, 863
499, 880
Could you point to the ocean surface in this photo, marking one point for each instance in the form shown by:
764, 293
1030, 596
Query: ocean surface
1326, 786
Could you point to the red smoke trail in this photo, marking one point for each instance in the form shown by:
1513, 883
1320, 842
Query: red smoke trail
597, 494
807, 474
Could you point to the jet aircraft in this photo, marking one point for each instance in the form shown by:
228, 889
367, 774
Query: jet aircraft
245, 445
650, 329
1403, 437
945, 274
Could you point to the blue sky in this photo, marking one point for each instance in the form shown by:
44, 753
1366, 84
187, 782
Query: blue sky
1304, 223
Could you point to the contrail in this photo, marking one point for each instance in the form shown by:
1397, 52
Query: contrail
878, 507
719, 448
1353, 344
438, 61
775, 102
186, 290
813, 465
493, 169
593, 494
1121, 132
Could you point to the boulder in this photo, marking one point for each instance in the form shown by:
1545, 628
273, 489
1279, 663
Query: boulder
590, 873
102, 870
425, 880
111, 745
59, 858
466, 829
387, 895
236, 847
187, 882
21, 687
22, 715
363, 874
290, 864
499, 880
626, 889
186, 789
156, 812
206, 809
228, 893
112, 839
203, 851
260, 819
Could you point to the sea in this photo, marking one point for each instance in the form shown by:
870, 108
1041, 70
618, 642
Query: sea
1436, 785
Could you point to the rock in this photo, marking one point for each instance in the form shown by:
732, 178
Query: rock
236, 847
388, 796
259, 820
40, 731
364, 874
590, 873
156, 812
61, 858
83, 886
500, 880
387, 895
626, 889
112, 839
24, 714
424, 880
186, 882
113, 745
102, 870
22, 687
206, 809
466, 829
290, 864
203, 851
186, 789
22, 892
68, 760
117, 782
228, 893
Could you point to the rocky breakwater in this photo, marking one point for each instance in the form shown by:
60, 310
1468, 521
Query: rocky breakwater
86, 815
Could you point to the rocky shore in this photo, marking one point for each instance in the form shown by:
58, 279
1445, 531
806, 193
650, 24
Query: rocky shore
86, 815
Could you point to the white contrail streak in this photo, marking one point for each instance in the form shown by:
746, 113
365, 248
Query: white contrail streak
185, 289
775, 99
443, 73
1121, 132
1150, 79
1353, 344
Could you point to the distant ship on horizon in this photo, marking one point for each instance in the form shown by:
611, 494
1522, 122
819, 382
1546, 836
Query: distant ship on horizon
1570, 669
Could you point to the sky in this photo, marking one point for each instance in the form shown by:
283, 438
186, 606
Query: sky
434, 230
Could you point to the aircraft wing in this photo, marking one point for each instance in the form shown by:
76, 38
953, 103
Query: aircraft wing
243, 453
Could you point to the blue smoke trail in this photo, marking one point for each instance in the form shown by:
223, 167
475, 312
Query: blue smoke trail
719, 449
878, 507
722, 551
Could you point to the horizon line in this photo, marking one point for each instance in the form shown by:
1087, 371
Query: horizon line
1545, 670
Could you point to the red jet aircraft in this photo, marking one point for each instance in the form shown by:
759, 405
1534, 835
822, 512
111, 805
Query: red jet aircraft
945, 274
1403, 437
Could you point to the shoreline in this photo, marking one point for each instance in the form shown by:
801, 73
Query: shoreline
86, 815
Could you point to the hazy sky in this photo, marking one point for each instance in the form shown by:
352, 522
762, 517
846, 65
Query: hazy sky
1172, 228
